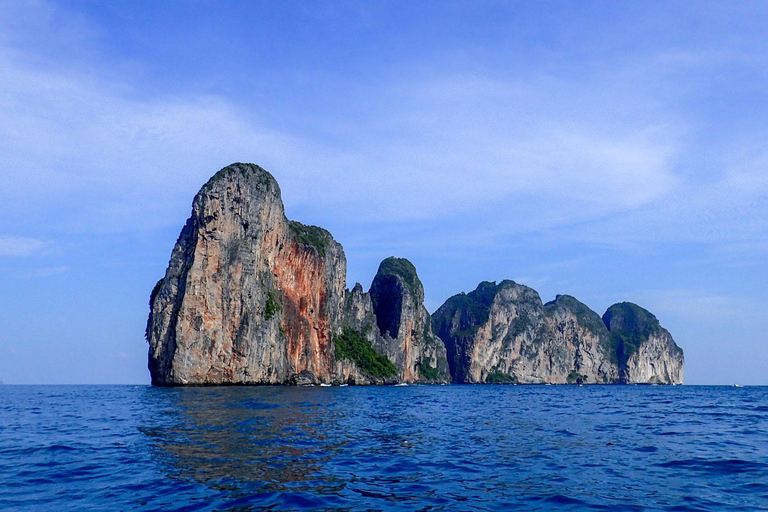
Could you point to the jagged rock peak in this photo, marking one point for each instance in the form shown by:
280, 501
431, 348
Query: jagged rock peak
404, 324
242, 170
248, 297
644, 351
585, 315
395, 279
502, 333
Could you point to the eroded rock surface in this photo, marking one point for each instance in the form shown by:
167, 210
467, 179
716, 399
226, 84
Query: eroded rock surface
644, 350
404, 325
250, 297
504, 334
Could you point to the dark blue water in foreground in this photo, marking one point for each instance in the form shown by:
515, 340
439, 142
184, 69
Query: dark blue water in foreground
394, 448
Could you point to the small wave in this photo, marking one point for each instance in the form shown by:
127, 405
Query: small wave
252, 404
60, 448
559, 499
718, 466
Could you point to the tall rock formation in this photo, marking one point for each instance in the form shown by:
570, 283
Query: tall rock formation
250, 297
644, 351
504, 334
404, 325
582, 331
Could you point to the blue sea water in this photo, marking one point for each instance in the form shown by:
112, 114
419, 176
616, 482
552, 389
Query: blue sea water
384, 448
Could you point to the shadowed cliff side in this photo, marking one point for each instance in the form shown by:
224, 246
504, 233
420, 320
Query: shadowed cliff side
404, 324
644, 351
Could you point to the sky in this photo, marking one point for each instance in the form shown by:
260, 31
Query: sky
613, 151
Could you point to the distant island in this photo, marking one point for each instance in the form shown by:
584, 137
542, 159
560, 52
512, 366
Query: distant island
250, 297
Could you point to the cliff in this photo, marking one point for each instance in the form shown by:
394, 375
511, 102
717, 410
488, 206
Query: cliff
250, 297
643, 350
404, 324
504, 334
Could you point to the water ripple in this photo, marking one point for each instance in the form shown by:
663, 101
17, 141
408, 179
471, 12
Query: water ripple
425, 448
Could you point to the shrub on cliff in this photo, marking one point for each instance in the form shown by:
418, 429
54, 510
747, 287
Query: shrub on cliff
351, 345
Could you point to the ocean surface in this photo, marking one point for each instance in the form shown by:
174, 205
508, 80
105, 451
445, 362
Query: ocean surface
384, 448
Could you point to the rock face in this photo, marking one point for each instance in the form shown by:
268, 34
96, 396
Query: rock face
504, 334
644, 350
588, 342
404, 325
252, 298
248, 297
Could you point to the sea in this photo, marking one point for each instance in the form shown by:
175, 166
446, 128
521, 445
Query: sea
414, 448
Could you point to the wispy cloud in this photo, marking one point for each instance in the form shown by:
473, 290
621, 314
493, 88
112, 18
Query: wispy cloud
595, 156
534, 149
45, 272
705, 307
20, 246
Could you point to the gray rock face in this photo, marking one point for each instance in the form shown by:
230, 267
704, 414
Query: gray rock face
504, 334
248, 297
404, 324
586, 338
644, 350
252, 298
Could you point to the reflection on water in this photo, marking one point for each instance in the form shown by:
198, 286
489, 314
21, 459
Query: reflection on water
276, 438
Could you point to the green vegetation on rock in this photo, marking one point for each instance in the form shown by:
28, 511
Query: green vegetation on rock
352, 346
499, 377
576, 378
312, 236
405, 270
630, 326
246, 170
474, 306
522, 324
584, 315
426, 371
272, 307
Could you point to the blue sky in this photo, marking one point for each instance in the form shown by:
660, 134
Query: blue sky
608, 150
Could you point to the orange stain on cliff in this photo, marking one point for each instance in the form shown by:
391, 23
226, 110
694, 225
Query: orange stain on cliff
300, 275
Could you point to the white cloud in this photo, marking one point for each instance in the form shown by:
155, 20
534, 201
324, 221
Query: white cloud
704, 307
436, 148
45, 272
20, 246
594, 157
729, 211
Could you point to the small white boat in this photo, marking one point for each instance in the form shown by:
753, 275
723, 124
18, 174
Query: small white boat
401, 384
324, 385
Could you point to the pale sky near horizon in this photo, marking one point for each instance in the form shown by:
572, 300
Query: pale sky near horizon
607, 150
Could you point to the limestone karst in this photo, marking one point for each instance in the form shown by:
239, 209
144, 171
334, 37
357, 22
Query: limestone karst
250, 297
